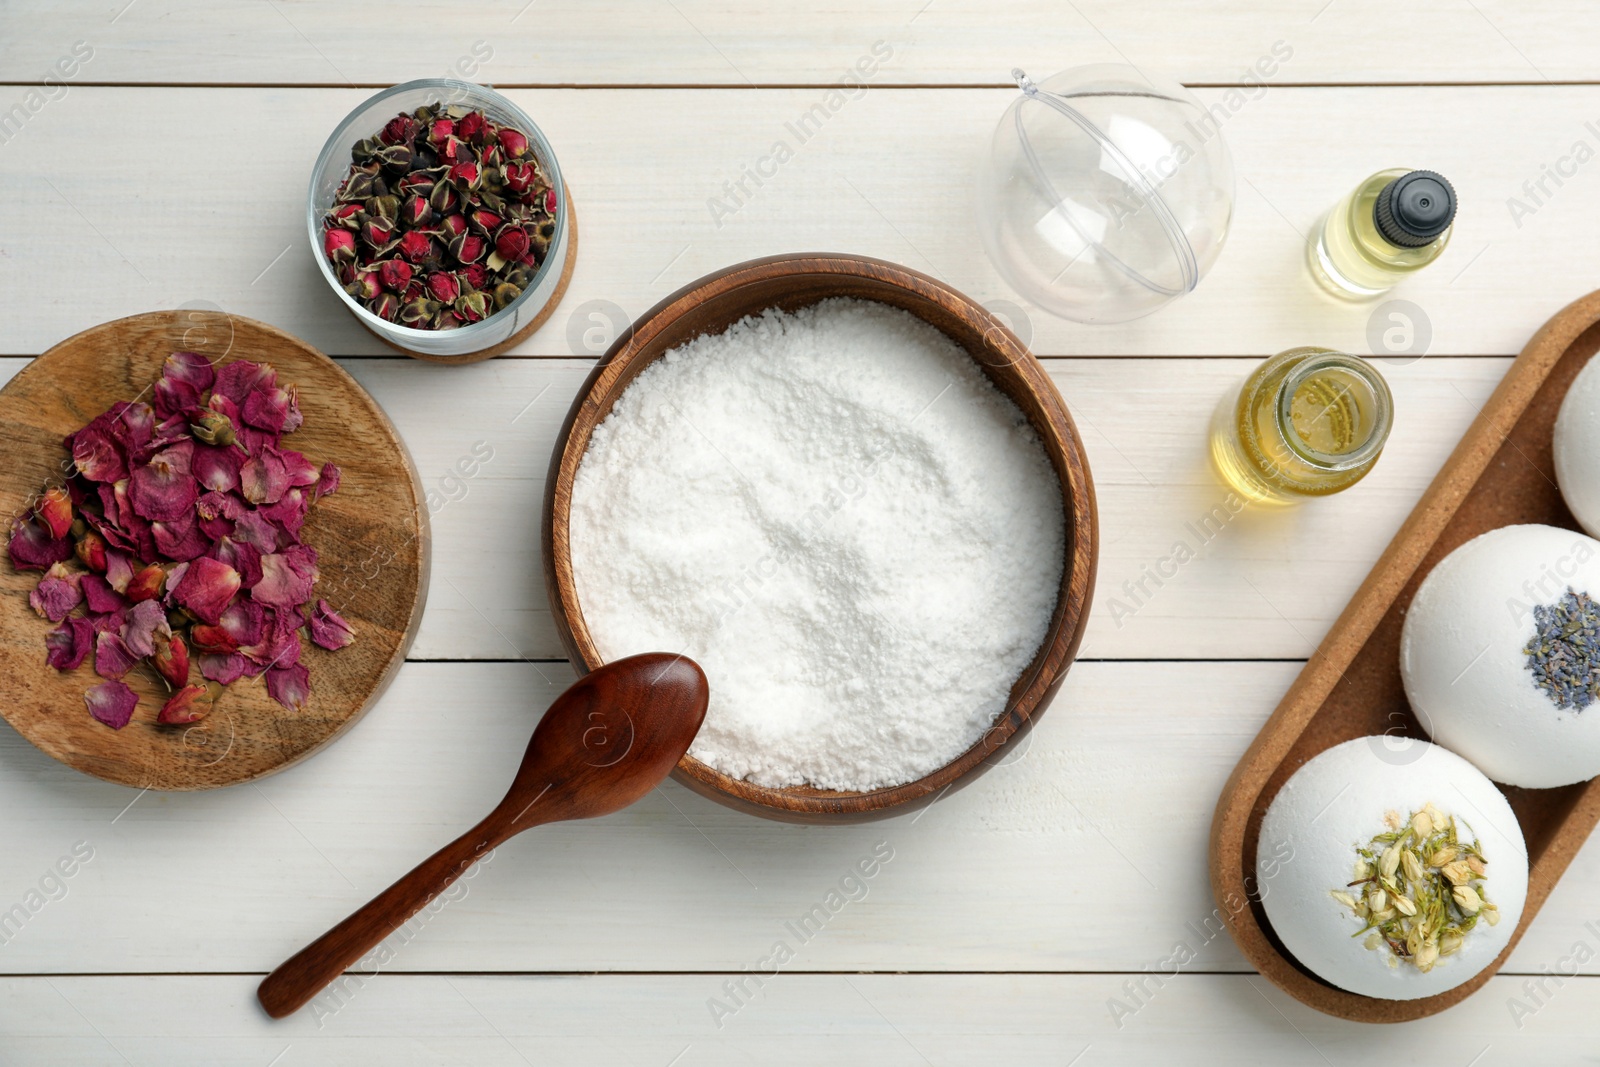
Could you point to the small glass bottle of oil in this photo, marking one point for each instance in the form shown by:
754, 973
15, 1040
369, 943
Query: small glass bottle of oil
1306, 422
1396, 222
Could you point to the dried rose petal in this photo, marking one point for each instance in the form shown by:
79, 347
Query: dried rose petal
91, 551
217, 512
289, 514
174, 577
112, 657
181, 540
33, 549
239, 379
111, 703
98, 594
327, 480
68, 645
56, 594
189, 704
328, 627
207, 587
274, 409
119, 570
282, 585
290, 686
164, 488
245, 621
191, 368
224, 670
55, 511
145, 620
146, 584
241, 556
171, 659
212, 640
253, 529
96, 456
264, 477
215, 467
175, 398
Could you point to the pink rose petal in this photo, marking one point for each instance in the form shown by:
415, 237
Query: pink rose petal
112, 657
98, 594
264, 477
225, 670
190, 368
241, 556
253, 529
328, 480
207, 587
237, 380
68, 645
143, 623
290, 686
111, 703
33, 549
272, 408
328, 627
282, 585
164, 488
217, 468
56, 594
182, 540
245, 621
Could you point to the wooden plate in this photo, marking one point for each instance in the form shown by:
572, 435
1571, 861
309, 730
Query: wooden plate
1501, 473
371, 537
714, 303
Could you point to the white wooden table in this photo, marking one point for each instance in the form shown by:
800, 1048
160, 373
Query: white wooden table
1023, 920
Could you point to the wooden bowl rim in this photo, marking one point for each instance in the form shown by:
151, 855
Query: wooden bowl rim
1324, 669
1062, 444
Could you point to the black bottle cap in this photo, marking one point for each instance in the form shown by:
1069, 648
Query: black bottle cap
1415, 208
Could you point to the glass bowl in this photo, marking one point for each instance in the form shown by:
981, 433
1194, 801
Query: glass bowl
1105, 195
333, 164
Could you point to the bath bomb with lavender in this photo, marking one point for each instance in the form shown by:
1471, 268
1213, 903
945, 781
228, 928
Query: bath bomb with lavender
1500, 654
1371, 837
1577, 447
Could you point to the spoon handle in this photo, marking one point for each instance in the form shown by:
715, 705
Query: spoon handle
303, 975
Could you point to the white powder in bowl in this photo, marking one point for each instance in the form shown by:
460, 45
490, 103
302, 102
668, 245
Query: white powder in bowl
834, 512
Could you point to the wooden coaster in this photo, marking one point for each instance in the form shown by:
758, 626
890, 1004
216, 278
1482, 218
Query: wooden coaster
371, 538
522, 334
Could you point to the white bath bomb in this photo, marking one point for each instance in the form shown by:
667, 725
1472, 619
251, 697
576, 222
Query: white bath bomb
1338, 801
1577, 447
1466, 669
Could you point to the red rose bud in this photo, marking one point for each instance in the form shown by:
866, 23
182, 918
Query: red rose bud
399, 130
386, 307
443, 287
467, 175
379, 232
470, 127
416, 211
472, 306
492, 158
396, 157
452, 226
340, 245
189, 704
366, 286
356, 187
504, 294
91, 552
475, 275
439, 131
346, 273
146, 584
55, 511
519, 177
393, 274
511, 244
513, 142
550, 203
344, 216
453, 152
485, 222
417, 290
419, 313
444, 198
384, 207
469, 248
415, 246
171, 659
418, 183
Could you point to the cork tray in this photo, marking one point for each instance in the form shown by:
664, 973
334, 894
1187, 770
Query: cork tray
1501, 473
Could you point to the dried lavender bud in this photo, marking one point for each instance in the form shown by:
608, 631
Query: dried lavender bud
1564, 654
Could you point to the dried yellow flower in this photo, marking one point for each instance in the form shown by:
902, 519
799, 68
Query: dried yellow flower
1344, 898
1450, 944
1412, 864
1422, 825
1466, 899
1477, 865
1427, 955
1391, 860
1442, 856
1458, 872
1405, 906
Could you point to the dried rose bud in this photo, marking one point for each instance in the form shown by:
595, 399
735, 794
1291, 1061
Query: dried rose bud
513, 142
504, 294
419, 313
384, 207
511, 244
146, 584
344, 216
366, 285
443, 287
485, 222
550, 203
472, 306
394, 274
340, 245
398, 130
444, 198
470, 128
91, 551
452, 151
415, 246
212, 640
447, 320
189, 704
416, 211
213, 428
418, 183
467, 176
519, 177
357, 187
386, 307
55, 511
171, 659
469, 248
396, 157
378, 232
417, 290
475, 275
439, 131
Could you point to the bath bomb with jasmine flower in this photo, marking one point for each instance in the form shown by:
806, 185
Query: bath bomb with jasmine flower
1406, 872
1500, 654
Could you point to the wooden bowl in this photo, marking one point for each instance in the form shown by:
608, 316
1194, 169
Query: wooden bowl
795, 281
371, 538
1501, 473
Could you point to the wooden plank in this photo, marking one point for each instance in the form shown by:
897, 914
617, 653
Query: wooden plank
183, 219
1105, 812
1207, 1020
1261, 583
696, 42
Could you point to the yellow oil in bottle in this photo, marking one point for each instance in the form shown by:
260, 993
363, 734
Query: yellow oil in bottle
1307, 422
1394, 223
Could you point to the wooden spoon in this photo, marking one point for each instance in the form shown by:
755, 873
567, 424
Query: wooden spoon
606, 742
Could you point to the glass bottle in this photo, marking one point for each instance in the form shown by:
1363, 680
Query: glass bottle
1307, 422
1396, 222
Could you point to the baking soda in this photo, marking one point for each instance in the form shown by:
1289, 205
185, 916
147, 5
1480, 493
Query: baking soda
849, 528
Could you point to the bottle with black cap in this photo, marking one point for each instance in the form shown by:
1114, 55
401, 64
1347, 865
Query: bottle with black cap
1396, 222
